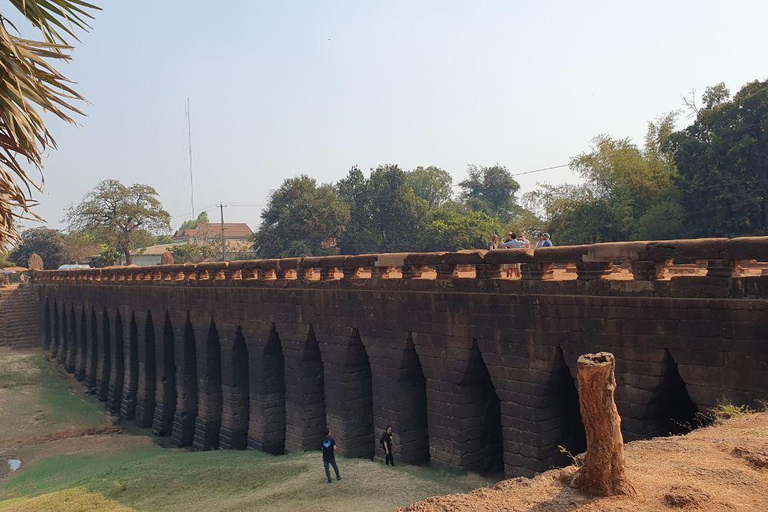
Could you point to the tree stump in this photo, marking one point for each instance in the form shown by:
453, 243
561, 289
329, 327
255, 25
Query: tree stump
603, 471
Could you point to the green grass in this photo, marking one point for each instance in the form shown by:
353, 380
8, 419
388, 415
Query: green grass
39, 398
130, 470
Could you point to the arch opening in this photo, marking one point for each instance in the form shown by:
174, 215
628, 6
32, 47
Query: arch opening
678, 412
414, 436
566, 399
492, 459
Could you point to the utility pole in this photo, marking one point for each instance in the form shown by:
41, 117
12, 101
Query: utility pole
223, 243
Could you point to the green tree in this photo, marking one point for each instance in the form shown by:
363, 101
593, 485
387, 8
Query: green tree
629, 192
49, 244
432, 184
30, 87
490, 190
197, 251
302, 218
202, 218
386, 214
120, 215
80, 246
722, 159
453, 228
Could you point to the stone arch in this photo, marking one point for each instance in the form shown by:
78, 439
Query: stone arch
304, 388
489, 455
236, 395
400, 397
165, 391
676, 413
186, 386
131, 366
104, 372
267, 418
117, 368
349, 393
568, 427
146, 391
82, 345
208, 421
92, 364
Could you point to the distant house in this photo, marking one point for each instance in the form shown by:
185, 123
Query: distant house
209, 232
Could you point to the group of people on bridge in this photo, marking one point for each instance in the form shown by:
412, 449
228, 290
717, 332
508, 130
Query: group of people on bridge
520, 241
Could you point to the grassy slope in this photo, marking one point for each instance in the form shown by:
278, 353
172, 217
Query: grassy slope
37, 399
120, 470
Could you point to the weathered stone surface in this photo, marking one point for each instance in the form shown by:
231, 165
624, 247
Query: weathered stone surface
467, 371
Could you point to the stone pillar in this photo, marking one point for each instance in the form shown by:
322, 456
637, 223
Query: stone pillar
208, 421
82, 343
92, 361
185, 353
56, 329
71, 355
63, 345
117, 368
400, 394
165, 367
104, 344
266, 431
145, 392
233, 434
131, 329
304, 388
348, 391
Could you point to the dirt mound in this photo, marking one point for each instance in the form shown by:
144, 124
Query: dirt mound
721, 467
686, 496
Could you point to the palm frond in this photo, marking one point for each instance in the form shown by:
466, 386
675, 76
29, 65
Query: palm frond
30, 86
57, 19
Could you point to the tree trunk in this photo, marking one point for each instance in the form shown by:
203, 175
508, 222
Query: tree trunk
127, 253
603, 471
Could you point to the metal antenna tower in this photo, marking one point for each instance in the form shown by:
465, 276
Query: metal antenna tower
189, 140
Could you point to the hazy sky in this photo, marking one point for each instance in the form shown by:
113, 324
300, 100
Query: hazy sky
283, 88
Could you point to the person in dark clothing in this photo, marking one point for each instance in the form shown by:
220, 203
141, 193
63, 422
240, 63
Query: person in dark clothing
329, 456
386, 444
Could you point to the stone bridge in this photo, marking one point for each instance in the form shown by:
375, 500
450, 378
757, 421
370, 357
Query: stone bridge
473, 369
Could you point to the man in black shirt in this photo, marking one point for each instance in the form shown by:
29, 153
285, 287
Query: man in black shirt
386, 443
329, 456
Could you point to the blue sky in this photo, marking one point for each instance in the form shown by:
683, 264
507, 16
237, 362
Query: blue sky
283, 88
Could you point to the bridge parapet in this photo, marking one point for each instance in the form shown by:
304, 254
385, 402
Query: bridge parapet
479, 270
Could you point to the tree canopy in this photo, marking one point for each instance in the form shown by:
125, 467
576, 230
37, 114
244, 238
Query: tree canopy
302, 218
49, 244
722, 160
120, 215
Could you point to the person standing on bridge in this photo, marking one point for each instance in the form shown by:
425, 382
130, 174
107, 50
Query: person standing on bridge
386, 443
329, 456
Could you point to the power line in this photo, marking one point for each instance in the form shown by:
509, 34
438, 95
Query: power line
541, 170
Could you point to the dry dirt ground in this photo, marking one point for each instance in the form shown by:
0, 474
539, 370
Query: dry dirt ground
721, 467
